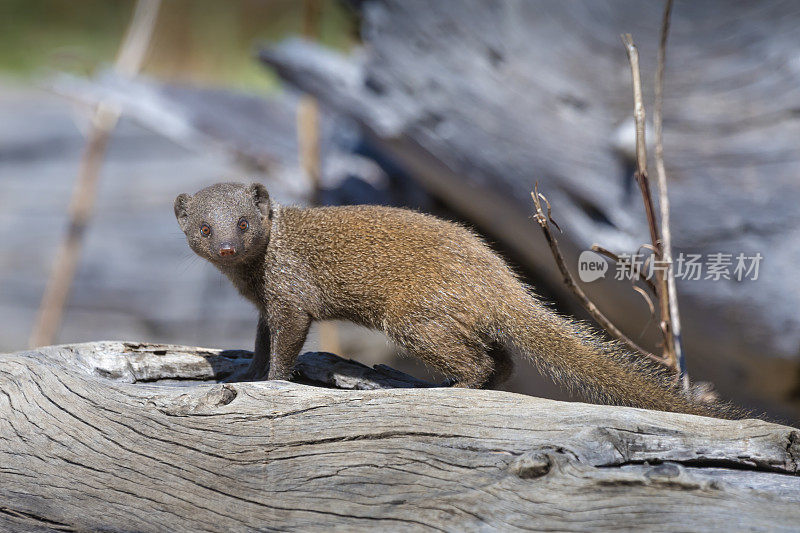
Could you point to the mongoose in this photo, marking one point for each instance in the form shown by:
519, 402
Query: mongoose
432, 286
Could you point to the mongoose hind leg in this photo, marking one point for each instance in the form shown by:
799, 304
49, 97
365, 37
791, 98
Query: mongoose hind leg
465, 361
503, 366
487, 368
474, 369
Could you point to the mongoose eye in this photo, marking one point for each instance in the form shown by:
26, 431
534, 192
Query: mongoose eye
205, 230
243, 225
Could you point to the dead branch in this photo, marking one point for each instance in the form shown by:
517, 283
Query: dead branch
647, 299
308, 145
638, 274
662, 291
308, 112
569, 281
674, 322
104, 120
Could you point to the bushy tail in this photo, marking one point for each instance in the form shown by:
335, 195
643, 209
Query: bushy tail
600, 371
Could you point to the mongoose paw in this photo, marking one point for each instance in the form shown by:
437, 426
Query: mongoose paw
251, 375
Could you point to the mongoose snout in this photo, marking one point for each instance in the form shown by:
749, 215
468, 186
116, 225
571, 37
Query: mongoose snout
227, 249
434, 287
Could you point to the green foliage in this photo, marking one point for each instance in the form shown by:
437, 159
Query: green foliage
200, 41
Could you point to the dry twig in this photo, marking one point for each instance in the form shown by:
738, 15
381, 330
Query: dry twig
104, 120
662, 290
664, 285
308, 145
674, 322
308, 113
637, 273
544, 221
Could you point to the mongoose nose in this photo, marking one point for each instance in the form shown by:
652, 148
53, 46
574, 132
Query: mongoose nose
227, 249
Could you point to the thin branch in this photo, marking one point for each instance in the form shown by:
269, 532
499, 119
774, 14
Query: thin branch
647, 300
310, 159
638, 273
129, 60
308, 113
641, 146
644, 186
638, 105
663, 199
569, 281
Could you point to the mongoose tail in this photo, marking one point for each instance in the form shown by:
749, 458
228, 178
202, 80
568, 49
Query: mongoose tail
599, 370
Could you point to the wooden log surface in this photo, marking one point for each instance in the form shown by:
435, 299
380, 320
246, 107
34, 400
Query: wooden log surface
132, 436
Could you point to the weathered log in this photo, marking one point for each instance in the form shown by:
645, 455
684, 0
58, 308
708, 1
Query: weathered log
480, 99
100, 436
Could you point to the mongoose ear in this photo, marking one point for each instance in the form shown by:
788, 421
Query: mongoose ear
181, 207
261, 198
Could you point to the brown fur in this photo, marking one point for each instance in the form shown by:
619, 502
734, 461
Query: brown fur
432, 286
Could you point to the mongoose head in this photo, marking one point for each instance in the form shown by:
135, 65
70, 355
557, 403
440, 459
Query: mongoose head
226, 223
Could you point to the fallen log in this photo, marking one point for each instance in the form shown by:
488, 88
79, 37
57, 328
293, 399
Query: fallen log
134, 436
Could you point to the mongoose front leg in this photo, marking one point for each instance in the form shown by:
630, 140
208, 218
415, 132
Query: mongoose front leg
288, 329
258, 366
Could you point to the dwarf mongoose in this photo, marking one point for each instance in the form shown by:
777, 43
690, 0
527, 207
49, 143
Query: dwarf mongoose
432, 286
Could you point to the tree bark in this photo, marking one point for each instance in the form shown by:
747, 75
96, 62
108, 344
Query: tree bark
129, 436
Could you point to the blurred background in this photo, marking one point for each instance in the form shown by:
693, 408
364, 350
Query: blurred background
454, 108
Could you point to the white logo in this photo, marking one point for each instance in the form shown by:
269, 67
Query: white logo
591, 266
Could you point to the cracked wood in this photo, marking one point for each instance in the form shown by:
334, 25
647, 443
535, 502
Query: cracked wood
132, 436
